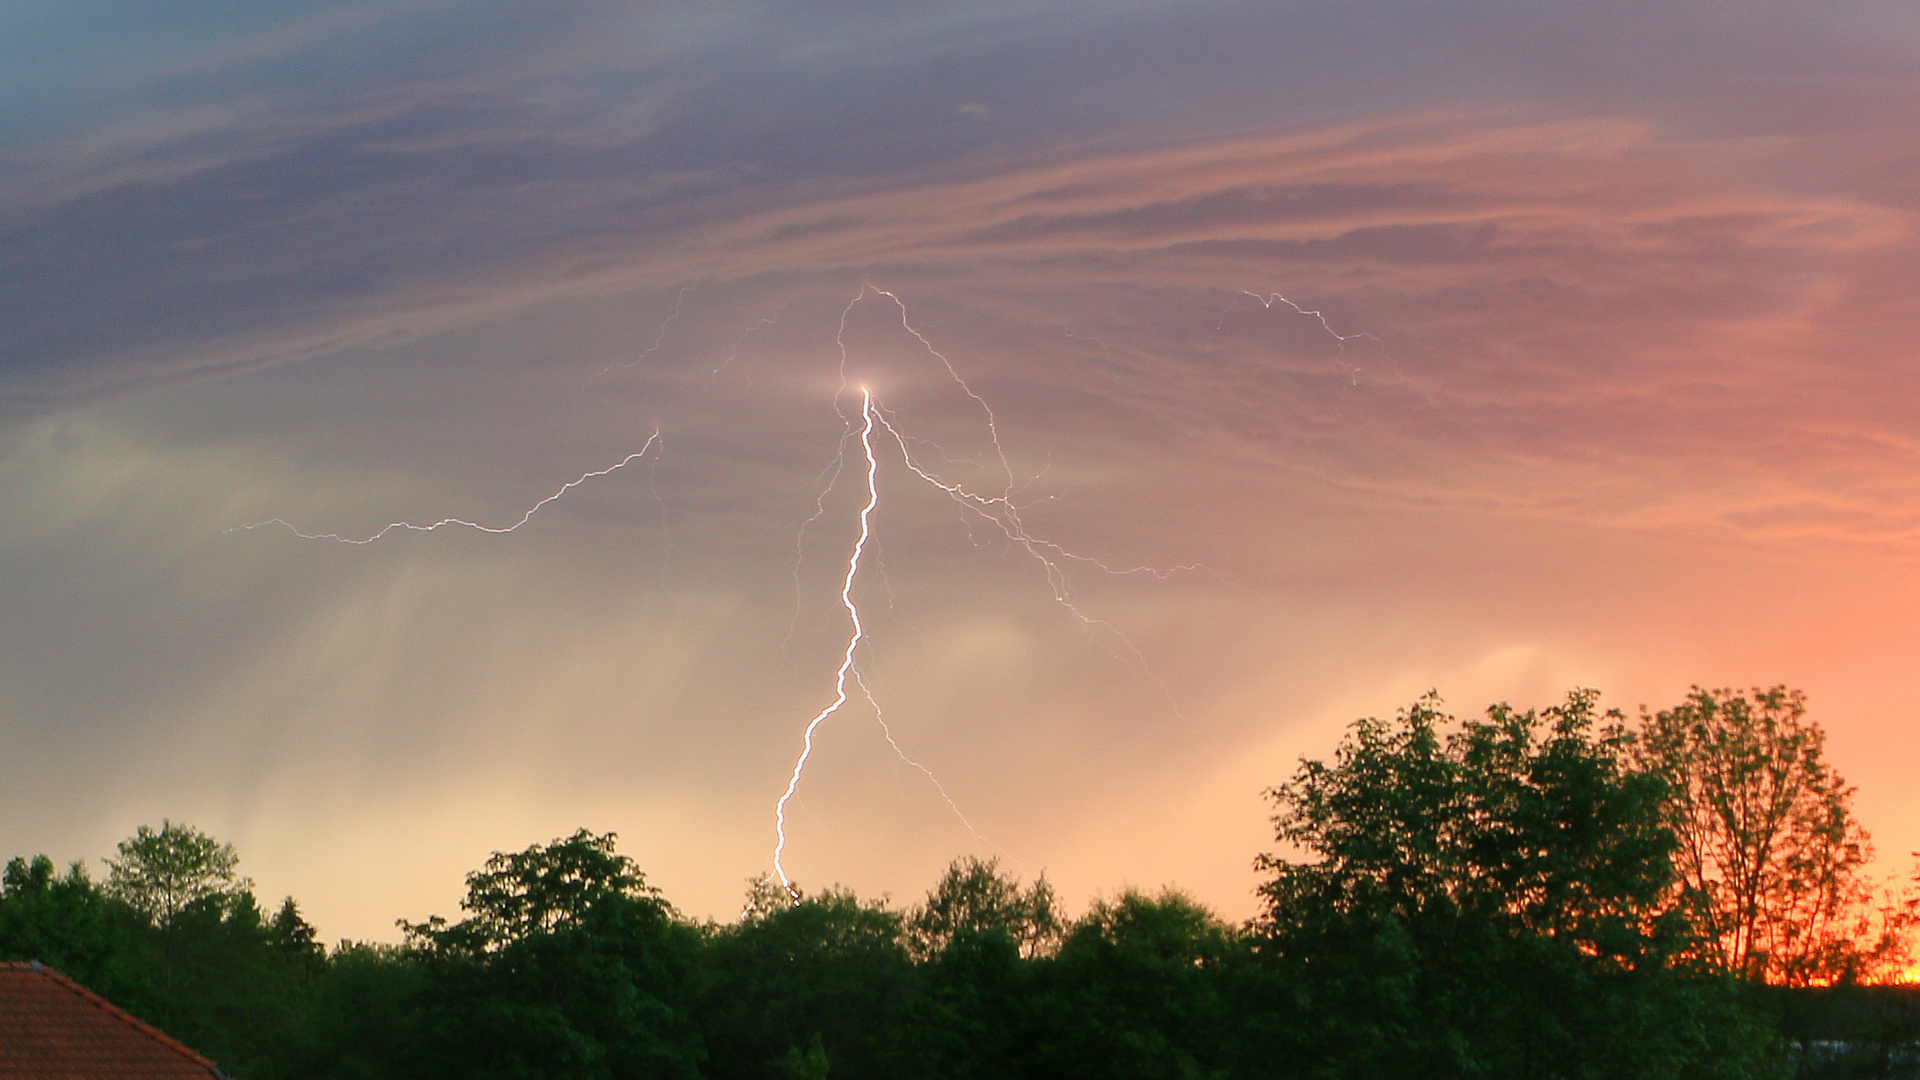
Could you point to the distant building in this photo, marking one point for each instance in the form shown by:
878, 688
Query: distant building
52, 1028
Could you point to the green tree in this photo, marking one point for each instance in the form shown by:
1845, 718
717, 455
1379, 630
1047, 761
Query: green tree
1771, 860
361, 1017
568, 964
811, 1063
978, 935
799, 988
1139, 990
975, 897
65, 921
295, 938
1481, 898
174, 937
182, 884
234, 981
160, 873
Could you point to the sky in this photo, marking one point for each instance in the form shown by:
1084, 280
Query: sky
1330, 354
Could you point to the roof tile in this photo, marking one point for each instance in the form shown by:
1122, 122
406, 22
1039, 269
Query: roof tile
52, 1028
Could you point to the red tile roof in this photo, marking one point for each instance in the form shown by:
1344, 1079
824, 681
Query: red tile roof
52, 1028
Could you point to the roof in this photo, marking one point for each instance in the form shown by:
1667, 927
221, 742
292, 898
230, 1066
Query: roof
52, 1028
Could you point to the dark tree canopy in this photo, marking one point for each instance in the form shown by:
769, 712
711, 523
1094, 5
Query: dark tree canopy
542, 890
796, 989
1530, 821
1520, 895
1481, 897
975, 897
568, 964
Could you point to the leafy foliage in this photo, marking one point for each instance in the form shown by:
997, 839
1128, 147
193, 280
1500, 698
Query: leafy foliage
160, 874
976, 898
1481, 898
799, 988
1142, 987
65, 921
1770, 856
1511, 895
174, 937
568, 964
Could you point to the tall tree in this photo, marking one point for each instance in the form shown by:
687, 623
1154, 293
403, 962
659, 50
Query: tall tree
1771, 860
182, 882
975, 897
821, 984
979, 933
176, 937
160, 873
568, 964
1478, 898
1139, 990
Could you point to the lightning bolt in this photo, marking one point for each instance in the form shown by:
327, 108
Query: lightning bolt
1001, 510
853, 643
1004, 513
659, 338
1353, 370
880, 715
993, 424
652, 441
733, 354
1267, 301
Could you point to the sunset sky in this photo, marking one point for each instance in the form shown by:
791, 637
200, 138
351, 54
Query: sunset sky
1495, 348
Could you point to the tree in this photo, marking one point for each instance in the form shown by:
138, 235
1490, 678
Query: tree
794, 989
182, 882
232, 985
295, 937
1771, 859
64, 920
974, 897
173, 936
1533, 820
568, 964
360, 1018
1140, 989
1482, 898
160, 873
979, 934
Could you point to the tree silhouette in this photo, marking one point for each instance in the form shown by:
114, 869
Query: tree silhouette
1770, 858
568, 964
1478, 897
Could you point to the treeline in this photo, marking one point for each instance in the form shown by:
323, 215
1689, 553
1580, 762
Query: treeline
1551, 894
